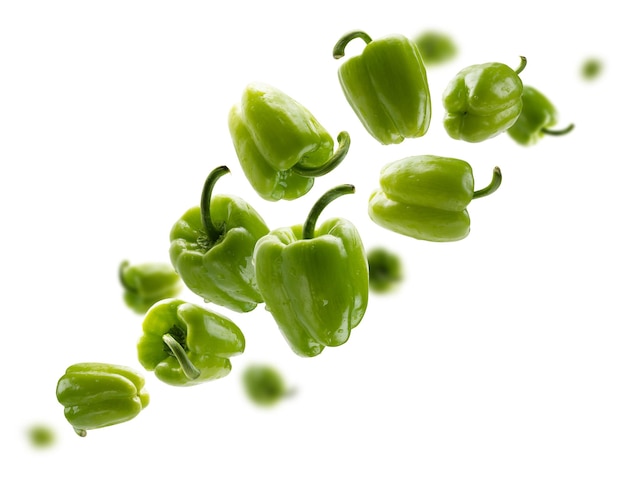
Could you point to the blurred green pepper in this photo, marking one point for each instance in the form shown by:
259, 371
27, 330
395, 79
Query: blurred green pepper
314, 282
97, 395
185, 344
482, 101
264, 385
211, 248
146, 283
385, 269
591, 68
537, 117
425, 197
386, 86
281, 147
435, 47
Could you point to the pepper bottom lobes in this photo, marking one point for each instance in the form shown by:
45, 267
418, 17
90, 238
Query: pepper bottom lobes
98, 395
316, 287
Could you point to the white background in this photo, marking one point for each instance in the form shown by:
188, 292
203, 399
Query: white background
501, 355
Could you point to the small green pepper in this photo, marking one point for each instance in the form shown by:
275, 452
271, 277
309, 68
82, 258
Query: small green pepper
537, 117
386, 86
435, 47
185, 344
98, 395
146, 283
41, 436
281, 146
314, 282
591, 68
211, 248
264, 385
385, 269
425, 197
482, 101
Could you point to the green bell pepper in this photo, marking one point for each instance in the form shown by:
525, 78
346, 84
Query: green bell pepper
146, 283
482, 101
386, 86
211, 248
185, 344
435, 47
425, 197
385, 269
98, 395
280, 145
591, 68
264, 385
314, 282
536, 120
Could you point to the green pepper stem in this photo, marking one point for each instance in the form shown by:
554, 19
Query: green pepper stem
308, 230
496, 180
211, 230
558, 132
343, 144
179, 353
123, 266
522, 65
340, 46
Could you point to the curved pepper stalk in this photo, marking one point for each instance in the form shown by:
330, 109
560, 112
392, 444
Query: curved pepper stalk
211, 248
280, 145
386, 86
314, 280
426, 197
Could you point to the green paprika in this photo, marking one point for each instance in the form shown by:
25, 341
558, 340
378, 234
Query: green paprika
482, 101
426, 197
314, 281
264, 385
538, 116
436, 47
385, 269
280, 145
98, 395
386, 86
186, 344
146, 283
211, 248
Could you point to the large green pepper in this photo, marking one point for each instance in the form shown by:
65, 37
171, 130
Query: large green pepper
281, 146
482, 101
314, 282
146, 283
98, 395
386, 86
536, 120
185, 344
211, 248
425, 197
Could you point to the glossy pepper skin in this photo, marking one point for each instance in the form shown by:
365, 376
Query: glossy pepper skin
426, 197
98, 395
538, 117
186, 344
482, 101
386, 86
211, 248
146, 283
280, 145
314, 281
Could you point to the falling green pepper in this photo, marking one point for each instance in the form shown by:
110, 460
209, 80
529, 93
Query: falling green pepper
146, 283
482, 101
435, 47
98, 395
386, 86
385, 269
211, 248
425, 197
264, 385
281, 146
538, 116
186, 344
314, 282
